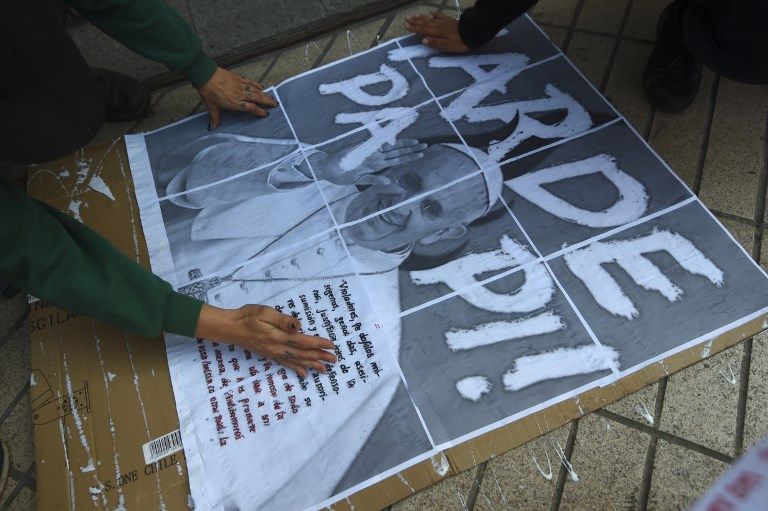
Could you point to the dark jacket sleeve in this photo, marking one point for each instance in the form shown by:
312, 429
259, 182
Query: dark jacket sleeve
154, 30
63, 262
481, 23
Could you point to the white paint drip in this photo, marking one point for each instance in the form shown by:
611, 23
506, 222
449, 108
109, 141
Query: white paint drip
87, 468
730, 379
562, 362
94, 490
631, 203
643, 411
405, 482
706, 349
578, 405
629, 254
97, 184
133, 214
502, 331
107, 377
70, 479
440, 465
32, 379
548, 474
498, 486
76, 414
564, 460
473, 387
143, 413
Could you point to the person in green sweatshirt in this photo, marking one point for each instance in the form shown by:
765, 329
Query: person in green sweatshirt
53, 103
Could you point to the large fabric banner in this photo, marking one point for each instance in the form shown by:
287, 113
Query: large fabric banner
481, 235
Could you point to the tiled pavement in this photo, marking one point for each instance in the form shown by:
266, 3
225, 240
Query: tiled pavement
656, 449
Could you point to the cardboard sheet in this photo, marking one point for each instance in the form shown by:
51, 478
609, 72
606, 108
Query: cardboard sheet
486, 239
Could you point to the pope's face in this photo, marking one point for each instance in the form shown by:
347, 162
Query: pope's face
434, 216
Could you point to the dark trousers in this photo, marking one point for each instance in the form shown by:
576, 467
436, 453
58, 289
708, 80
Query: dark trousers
50, 102
728, 36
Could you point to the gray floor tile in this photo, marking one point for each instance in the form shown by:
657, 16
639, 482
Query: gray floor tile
602, 15
355, 39
638, 406
591, 54
227, 24
700, 402
296, 60
5, 493
24, 501
605, 451
644, 17
512, 480
624, 89
678, 138
16, 432
14, 367
756, 418
557, 12
680, 476
556, 35
734, 156
10, 311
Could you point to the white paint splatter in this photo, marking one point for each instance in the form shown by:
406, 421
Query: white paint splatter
110, 375
405, 482
94, 491
643, 411
567, 464
76, 413
548, 474
706, 349
98, 184
74, 208
629, 254
730, 379
559, 363
441, 465
32, 379
473, 387
88, 468
70, 479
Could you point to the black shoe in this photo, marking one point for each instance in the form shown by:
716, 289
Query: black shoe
672, 75
5, 463
125, 98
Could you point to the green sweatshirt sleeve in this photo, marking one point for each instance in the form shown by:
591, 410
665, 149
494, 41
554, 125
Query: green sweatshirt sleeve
152, 29
65, 263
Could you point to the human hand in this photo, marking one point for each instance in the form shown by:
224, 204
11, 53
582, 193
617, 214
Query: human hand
439, 31
267, 332
390, 155
230, 91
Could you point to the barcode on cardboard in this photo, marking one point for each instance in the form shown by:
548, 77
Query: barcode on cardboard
161, 447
